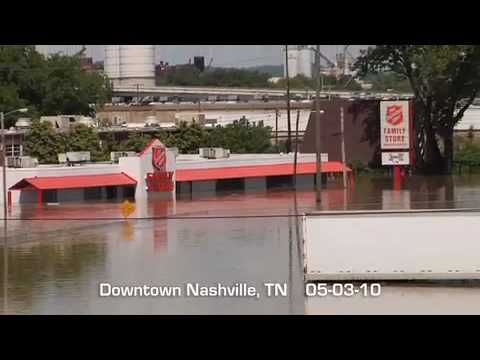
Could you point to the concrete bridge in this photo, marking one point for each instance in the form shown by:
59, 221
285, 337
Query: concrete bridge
191, 91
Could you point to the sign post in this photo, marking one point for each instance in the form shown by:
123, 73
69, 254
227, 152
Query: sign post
395, 137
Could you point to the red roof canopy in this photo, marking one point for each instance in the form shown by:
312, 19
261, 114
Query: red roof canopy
256, 171
74, 182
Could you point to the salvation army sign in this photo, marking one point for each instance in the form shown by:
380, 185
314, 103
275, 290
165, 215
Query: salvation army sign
159, 158
394, 125
160, 180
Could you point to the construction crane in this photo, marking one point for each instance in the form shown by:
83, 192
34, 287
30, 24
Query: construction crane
327, 60
209, 64
344, 59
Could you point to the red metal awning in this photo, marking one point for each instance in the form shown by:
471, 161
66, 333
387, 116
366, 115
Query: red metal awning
256, 171
74, 182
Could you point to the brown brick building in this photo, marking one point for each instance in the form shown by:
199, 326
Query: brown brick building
362, 131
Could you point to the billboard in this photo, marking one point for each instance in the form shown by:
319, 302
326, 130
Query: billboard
394, 125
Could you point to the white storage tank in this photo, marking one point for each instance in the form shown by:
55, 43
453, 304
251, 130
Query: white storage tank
130, 65
137, 61
112, 61
292, 63
305, 61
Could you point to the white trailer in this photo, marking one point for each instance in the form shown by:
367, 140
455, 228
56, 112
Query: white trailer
392, 245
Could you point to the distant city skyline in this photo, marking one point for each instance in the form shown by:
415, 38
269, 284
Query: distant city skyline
222, 55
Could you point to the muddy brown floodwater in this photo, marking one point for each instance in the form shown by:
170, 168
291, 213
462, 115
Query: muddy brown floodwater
53, 259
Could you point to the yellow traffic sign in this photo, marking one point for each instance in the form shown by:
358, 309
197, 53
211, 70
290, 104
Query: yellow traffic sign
127, 208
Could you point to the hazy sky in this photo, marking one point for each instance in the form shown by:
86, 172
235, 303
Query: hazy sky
223, 55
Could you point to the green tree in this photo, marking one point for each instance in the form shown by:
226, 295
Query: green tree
187, 138
385, 81
242, 137
84, 138
134, 142
70, 90
44, 143
445, 80
47, 86
189, 75
21, 75
301, 82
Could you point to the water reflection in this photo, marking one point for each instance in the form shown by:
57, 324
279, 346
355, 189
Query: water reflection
51, 265
48, 270
5, 273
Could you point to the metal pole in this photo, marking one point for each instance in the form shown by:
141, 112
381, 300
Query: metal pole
342, 130
276, 127
4, 168
289, 124
5, 272
317, 131
5, 253
295, 158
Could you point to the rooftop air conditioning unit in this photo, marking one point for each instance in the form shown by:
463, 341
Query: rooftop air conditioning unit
11, 161
203, 152
214, 153
151, 121
116, 155
26, 162
74, 157
23, 123
78, 156
21, 162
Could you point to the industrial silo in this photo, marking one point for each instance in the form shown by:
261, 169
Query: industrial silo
292, 63
112, 62
305, 61
130, 65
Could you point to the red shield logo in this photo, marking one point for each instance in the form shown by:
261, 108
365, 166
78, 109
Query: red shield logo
394, 115
159, 158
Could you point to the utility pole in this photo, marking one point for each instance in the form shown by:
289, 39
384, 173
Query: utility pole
317, 131
4, 168
4, 161
276, 127
289, 124
342, 130
296, 150
5, 272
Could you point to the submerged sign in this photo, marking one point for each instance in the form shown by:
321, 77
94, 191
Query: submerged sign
396, 158
394, 125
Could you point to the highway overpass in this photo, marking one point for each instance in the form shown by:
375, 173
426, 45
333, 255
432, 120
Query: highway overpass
244, 93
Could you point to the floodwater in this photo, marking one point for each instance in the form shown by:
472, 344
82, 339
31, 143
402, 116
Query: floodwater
53, 260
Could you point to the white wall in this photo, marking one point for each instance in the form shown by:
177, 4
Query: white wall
470, 118
138, 167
